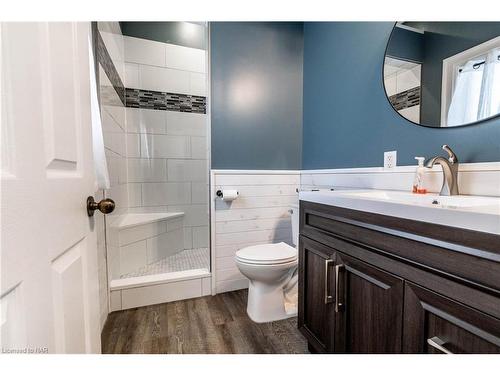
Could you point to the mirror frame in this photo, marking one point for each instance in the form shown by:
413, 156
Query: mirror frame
416, 123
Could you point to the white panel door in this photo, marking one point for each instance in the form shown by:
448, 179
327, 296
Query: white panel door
49, 284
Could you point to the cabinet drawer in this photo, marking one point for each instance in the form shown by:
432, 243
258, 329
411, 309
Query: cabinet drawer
436, 324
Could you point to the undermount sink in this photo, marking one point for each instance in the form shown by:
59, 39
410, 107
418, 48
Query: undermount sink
462, 211
455, 201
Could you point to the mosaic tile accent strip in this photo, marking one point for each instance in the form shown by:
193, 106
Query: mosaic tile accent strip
104, 59
165, 101
185, 260
406, 99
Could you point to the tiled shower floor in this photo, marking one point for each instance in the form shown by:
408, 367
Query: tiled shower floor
182, 261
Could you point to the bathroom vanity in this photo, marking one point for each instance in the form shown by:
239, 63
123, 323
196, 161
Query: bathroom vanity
388, 272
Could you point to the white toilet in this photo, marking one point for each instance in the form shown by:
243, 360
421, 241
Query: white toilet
272, 271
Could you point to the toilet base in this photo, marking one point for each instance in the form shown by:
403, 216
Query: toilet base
266, 303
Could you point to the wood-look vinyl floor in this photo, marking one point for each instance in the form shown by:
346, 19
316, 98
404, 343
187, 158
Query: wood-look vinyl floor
213, 324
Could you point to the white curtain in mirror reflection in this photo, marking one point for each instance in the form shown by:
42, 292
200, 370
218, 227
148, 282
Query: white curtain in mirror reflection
476, 94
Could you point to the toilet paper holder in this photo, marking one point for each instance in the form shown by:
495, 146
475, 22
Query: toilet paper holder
220, 193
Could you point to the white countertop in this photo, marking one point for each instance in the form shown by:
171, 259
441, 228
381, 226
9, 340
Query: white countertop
468, 212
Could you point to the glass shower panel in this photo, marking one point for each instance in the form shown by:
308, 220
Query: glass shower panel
156, 138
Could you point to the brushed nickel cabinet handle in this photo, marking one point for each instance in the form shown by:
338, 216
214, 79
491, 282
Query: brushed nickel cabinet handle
338, 304
328, 297
438, 344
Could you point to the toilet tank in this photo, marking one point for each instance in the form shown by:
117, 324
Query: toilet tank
294, 210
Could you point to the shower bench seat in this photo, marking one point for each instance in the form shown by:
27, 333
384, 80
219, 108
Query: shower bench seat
138, 239
135, 219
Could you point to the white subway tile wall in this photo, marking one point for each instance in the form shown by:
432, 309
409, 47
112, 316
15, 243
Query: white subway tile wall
181, 123
163, 79
164, 67
259, 215
146, 121
131, 78
167, 151
165, 146
142, 51
161, 193
185, 58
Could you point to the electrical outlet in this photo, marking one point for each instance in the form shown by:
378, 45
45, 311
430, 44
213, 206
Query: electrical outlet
390, 159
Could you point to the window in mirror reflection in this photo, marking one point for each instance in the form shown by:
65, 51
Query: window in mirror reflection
475, 88
444, 74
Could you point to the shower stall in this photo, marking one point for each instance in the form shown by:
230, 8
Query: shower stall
153, 83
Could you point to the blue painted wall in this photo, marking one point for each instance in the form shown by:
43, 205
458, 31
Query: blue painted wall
256, 80
348, 121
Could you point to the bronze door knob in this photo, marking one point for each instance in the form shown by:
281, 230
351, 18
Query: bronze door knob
106, 206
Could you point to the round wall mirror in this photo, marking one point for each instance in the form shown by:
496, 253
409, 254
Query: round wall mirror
444, 74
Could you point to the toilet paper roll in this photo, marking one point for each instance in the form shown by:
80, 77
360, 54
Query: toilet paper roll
229, 195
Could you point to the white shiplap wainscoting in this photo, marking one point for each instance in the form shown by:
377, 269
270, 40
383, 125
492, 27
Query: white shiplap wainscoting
473, 178
259, 215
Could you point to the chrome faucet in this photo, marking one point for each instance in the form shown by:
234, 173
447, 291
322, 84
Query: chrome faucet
450, 171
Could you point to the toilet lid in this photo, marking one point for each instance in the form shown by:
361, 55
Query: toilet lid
267, 254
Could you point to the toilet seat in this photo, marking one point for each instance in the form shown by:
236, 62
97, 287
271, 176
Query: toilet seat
268, 254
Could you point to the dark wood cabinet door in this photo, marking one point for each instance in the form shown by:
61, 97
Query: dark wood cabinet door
437, 324
370, 308
316, 313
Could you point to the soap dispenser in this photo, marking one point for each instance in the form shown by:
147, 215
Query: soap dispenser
418, 181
